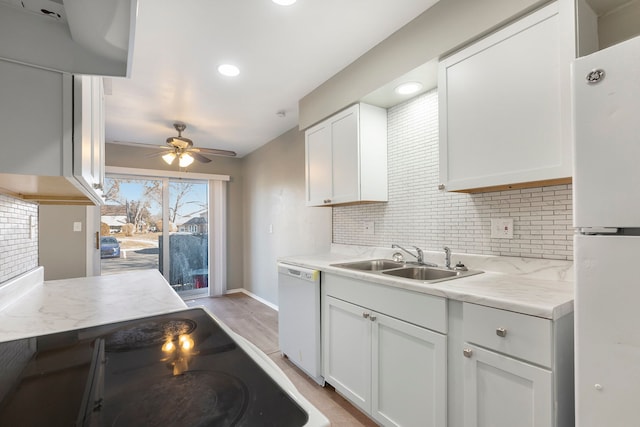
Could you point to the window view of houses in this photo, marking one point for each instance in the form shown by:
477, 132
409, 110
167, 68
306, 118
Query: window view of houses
133, 230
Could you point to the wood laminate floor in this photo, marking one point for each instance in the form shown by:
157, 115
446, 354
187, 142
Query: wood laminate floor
259, 324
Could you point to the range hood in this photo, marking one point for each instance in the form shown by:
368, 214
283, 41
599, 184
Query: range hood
92, 37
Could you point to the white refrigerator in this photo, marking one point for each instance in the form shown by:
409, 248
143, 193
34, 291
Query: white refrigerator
606, 97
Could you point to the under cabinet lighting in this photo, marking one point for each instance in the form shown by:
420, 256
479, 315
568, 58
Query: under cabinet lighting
284, 2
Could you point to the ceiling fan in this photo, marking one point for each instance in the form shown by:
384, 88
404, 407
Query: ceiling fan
181, 148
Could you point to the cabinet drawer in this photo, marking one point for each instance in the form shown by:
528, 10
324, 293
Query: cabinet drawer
424, 310
519, 335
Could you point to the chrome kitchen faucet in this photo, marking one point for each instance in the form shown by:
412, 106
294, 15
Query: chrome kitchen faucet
419, 257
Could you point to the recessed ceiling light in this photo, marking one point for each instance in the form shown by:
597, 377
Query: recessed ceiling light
228, 70
408, 88
284, 2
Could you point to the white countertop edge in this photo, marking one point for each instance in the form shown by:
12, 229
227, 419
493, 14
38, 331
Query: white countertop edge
14, 289
550, 299
66, 304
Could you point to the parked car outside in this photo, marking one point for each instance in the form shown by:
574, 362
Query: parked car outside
109, 247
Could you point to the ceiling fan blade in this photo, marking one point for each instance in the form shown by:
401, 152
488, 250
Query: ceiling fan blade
199, 157
215, 152
139, 145
159, 153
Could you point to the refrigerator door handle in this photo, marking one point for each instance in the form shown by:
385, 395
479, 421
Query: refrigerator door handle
598, 230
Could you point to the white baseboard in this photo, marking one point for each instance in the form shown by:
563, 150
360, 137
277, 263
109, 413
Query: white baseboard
252, 295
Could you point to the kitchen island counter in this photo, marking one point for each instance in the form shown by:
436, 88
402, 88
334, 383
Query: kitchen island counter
61, 305
536, 287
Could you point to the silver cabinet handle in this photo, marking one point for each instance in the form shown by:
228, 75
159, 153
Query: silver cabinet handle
365, 315
467, 352
501, 332
327, 200
441, 187
372, 318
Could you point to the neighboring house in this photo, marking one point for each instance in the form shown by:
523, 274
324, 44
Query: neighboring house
115, 216
115, 223
194, 225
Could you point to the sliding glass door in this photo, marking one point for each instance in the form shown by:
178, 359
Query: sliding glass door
158, 223
188, 211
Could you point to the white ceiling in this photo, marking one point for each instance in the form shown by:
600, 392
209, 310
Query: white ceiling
284, 52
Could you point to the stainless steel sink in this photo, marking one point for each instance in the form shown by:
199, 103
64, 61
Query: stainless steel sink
422, 273
429, 274
371, 265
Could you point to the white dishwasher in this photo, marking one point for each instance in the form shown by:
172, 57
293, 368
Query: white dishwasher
299, 318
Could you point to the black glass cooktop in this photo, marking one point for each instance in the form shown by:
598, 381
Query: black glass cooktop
178, 369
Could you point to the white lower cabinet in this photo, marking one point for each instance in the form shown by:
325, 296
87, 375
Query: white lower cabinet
518, 369
393, 370
504, 392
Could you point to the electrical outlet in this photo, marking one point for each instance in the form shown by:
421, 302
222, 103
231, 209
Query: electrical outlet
368, 228
502, 228
77, 226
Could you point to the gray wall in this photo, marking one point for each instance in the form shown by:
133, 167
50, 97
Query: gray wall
446, 26
134, 157
62, 251
274, 199
18, 249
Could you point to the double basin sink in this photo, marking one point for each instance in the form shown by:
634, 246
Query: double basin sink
420, 273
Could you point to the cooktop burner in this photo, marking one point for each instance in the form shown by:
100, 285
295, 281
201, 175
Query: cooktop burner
147, 334
178, 369
195, 398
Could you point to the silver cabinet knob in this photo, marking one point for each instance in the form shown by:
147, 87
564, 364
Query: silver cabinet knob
501, 332
327, 200
441, 187
467, 352
372, 318
365, 315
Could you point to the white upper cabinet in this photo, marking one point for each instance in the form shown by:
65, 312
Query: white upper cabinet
346, 157
54, 135
78, 36
504, 106
89, 131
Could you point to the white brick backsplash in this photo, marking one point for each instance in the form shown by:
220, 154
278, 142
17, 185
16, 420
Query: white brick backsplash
18, 252
419, 214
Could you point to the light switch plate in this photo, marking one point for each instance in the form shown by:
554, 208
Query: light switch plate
502, 228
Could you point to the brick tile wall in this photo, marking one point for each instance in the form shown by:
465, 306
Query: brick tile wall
419, 214
18, 251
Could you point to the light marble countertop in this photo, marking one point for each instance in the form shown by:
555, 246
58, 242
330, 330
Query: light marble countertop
61, 305
542, 288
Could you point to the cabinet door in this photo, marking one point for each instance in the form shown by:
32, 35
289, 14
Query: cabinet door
504, 107
345, 156
35, 122
503, 392
318, 164
409, 381
347, 350
88, 143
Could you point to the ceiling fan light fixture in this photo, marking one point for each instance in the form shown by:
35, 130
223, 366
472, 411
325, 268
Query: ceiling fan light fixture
169, 157
185, 160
